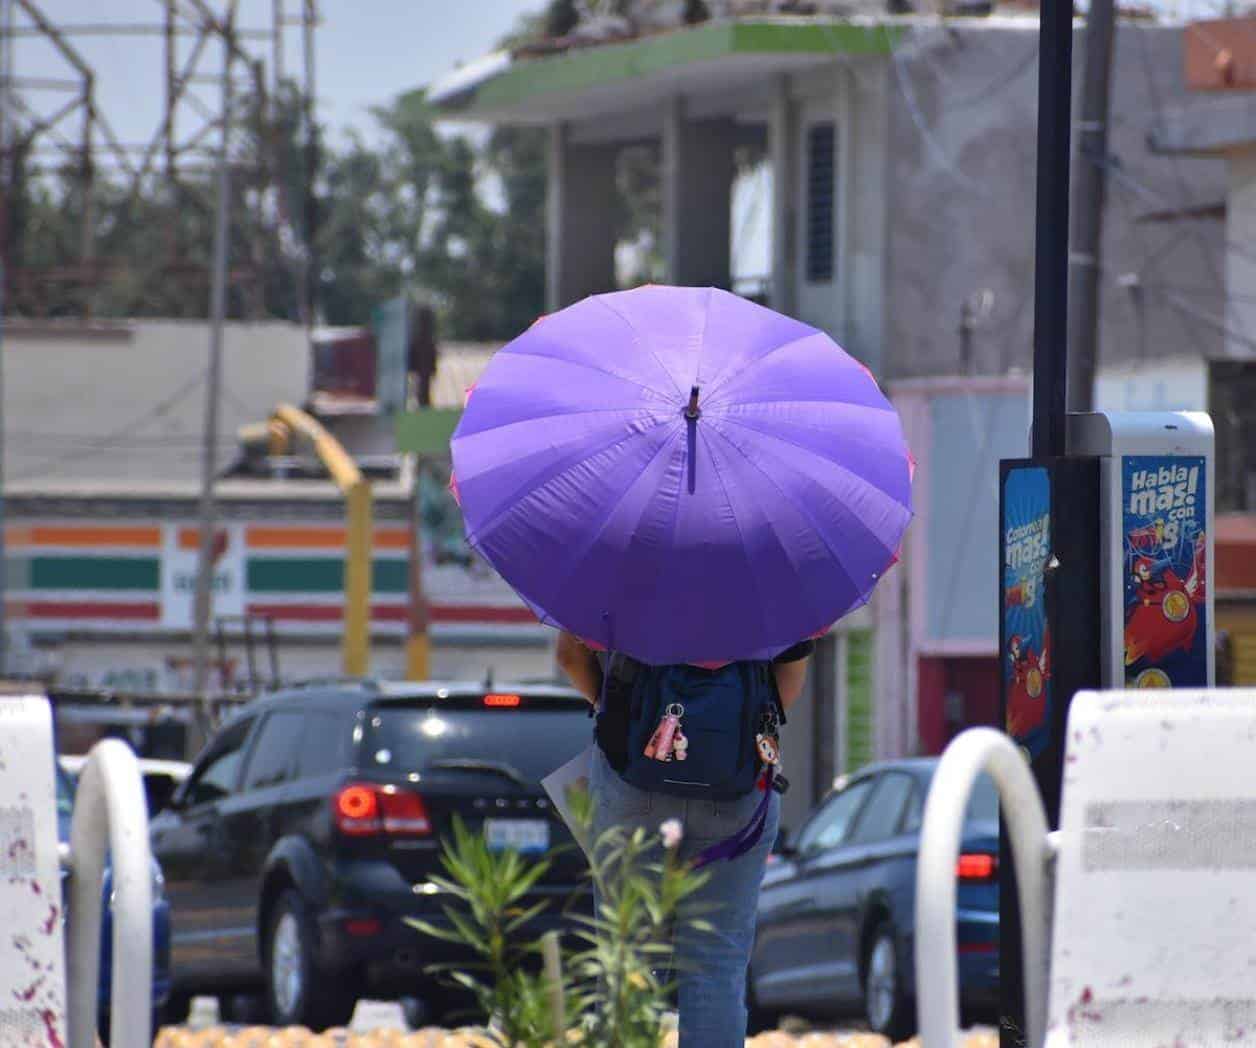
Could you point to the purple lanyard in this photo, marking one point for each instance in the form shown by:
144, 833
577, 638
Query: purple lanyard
748, 836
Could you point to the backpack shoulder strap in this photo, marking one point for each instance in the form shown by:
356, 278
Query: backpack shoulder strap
768, 677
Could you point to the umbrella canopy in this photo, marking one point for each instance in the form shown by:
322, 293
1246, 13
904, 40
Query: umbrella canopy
682, 475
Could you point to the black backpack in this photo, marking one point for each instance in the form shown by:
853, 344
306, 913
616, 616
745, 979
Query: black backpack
688, 731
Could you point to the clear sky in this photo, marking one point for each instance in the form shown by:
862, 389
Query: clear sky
367, 52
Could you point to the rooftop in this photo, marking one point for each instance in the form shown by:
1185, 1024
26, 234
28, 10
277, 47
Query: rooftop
595, 77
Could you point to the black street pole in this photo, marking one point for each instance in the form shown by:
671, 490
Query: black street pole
1047, 441
1055, 95
1089, 184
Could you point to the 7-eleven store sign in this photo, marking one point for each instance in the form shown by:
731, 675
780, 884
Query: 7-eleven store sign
139, 577
180, 566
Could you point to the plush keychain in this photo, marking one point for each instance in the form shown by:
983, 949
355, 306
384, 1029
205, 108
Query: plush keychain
769, 749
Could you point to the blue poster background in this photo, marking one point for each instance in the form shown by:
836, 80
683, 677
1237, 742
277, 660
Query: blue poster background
1163, 529
1026, 528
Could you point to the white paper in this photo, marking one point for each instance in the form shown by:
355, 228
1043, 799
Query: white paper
574, 775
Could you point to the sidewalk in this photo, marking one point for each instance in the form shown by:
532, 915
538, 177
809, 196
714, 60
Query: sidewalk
381, 1024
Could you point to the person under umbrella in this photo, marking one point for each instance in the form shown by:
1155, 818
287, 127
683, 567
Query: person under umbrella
686, 484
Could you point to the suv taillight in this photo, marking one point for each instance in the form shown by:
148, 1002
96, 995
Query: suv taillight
361, 809
977, 866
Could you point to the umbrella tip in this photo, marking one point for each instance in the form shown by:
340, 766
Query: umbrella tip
692, 412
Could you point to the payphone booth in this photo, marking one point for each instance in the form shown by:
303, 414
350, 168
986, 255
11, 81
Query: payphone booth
1106, 563
1156, 540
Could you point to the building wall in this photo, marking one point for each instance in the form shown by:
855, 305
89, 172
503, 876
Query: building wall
851, 307
958, 429
867, 84
126, 401
961, 173
957, 521
956, 692
1240, 261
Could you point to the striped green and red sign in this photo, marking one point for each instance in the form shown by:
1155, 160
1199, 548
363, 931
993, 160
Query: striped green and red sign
94, 573
130, 575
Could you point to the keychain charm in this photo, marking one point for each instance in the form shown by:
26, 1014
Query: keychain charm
769, 749
661, 744
768, 741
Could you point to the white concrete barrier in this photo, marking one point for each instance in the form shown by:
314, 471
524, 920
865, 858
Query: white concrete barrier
110, 819
1143, 928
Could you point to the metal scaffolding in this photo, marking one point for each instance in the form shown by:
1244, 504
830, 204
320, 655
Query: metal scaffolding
57, 124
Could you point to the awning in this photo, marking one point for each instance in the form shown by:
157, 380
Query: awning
712, 58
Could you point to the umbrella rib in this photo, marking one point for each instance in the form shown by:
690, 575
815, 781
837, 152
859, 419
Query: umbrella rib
576, 561
760, 605
577, 413
510, 504
816, 401
601, 300
719, 381
826, 458
591, 367
805, 513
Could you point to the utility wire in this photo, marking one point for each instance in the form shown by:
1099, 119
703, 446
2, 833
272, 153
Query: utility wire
109, 441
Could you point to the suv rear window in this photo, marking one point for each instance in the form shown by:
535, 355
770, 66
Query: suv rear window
533, 742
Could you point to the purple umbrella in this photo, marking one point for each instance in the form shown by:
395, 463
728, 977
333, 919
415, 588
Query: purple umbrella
682, 475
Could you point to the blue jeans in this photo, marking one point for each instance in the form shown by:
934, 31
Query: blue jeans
710, 965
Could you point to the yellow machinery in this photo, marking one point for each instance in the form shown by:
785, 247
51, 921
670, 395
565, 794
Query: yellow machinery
288, 422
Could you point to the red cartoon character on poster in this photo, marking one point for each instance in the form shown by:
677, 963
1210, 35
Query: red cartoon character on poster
1025, 705
1148, 537
1162, 616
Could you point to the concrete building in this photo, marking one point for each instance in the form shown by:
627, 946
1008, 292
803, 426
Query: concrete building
103, 444
900, 153
1219, 122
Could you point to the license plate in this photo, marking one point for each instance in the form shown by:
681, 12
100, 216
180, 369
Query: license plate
521, 835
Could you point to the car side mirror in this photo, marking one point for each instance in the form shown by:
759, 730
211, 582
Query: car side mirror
161, 793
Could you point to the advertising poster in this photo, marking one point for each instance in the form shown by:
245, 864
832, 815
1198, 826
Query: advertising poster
1026, 549
1163, 529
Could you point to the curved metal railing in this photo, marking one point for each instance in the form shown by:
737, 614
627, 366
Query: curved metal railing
937, 984
110, 819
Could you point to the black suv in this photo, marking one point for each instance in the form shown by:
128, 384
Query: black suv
311, 826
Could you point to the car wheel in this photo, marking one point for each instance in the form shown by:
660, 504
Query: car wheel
297, 993
885, 1004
